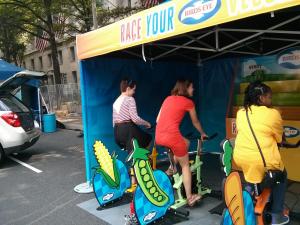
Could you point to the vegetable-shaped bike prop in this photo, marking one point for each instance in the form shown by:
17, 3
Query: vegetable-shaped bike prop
240, 207
154, 194
111, 178
239, 203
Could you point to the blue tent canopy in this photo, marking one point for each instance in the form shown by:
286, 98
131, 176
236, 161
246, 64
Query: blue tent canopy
7, 69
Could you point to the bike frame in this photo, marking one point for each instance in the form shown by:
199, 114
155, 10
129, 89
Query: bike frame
261, 201
178, 179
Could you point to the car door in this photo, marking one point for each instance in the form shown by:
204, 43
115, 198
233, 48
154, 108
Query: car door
15, 81
7, 89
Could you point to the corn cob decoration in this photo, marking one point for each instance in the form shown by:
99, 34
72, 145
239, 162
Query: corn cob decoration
108, 165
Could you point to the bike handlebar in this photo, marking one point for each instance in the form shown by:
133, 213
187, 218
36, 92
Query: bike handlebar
191, 137
289, 145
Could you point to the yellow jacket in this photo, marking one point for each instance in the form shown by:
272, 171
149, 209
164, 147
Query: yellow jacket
267, 125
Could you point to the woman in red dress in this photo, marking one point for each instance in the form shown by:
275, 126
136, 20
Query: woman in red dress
168, 134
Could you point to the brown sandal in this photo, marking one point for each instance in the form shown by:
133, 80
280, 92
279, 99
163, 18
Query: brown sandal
193, 199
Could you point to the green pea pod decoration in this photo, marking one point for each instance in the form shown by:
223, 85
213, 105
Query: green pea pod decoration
227, 157
145, 177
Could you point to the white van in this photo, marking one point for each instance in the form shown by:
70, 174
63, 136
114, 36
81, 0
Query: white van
18, 130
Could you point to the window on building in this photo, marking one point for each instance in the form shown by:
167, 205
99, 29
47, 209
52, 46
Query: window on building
32, 64
49, 59
41, 62
74, 76
60, 57
63, 78
72, 53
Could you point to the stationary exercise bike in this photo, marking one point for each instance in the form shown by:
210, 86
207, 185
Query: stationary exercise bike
154, 194
195, 168
242, 207
111, 178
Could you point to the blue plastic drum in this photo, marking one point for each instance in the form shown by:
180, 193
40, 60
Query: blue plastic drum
49, 122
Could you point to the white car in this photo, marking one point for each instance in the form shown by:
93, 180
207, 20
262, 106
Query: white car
18, 130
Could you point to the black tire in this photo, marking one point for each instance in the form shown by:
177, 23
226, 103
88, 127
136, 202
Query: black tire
267, 217
2, 155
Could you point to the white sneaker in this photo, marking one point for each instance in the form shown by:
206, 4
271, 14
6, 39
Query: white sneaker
131, 220
279, 219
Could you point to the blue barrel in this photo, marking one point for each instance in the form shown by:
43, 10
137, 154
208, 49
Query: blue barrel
49, 122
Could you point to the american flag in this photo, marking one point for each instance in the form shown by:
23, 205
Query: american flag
151, 3
58, 21
41, 42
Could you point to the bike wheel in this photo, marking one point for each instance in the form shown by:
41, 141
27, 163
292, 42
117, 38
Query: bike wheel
267, 217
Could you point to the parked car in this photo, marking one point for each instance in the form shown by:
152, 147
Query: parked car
18, 130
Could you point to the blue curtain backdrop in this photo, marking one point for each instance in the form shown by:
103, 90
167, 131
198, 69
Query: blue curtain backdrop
215, 82
100, 78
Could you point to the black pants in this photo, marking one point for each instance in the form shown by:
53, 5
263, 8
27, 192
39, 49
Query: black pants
125, 132
278, 193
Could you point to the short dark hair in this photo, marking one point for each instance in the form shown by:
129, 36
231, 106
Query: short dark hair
181, 87
253, 91
125, 83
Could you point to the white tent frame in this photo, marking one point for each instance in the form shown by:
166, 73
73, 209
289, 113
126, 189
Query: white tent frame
230, 48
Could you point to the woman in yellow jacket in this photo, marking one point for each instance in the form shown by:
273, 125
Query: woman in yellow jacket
267, 126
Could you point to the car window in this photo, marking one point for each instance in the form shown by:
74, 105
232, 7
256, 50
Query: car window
3, 107
10, 103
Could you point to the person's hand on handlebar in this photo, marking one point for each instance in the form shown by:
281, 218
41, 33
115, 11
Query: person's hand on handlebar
148, 125
203, 136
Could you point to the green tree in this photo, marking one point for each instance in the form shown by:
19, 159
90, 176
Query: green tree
11, 39
79, 16
36, 18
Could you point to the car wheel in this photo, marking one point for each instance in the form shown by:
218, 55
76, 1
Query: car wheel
2, 155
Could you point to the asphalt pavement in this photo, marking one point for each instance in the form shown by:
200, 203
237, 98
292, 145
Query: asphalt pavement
43, 193
46, 198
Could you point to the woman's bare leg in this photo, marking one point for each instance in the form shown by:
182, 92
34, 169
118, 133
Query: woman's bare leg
187, 142
186, 174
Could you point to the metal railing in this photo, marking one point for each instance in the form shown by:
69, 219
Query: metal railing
64, 97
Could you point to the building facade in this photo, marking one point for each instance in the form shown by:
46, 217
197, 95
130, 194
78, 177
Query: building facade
42, 61
120, 3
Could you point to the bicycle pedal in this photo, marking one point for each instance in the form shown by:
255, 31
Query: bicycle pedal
131, 189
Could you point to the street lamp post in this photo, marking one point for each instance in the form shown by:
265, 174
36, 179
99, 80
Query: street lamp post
94, 13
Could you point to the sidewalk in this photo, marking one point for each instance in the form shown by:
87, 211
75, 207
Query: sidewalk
72, 121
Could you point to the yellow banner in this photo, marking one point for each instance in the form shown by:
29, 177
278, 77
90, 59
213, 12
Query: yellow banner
170, 19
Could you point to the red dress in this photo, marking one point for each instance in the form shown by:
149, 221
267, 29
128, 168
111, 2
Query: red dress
167, 131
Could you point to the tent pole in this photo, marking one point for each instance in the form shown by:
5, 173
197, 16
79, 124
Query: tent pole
40, 108
257, 34
286, 46
279, 39
224, 52
217, 39
187, 47
262, 31
236, 39
185, 44
199, 42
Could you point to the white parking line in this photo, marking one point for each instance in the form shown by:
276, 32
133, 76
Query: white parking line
25, 164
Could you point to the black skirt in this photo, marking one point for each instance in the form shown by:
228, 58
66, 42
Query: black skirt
125, 132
